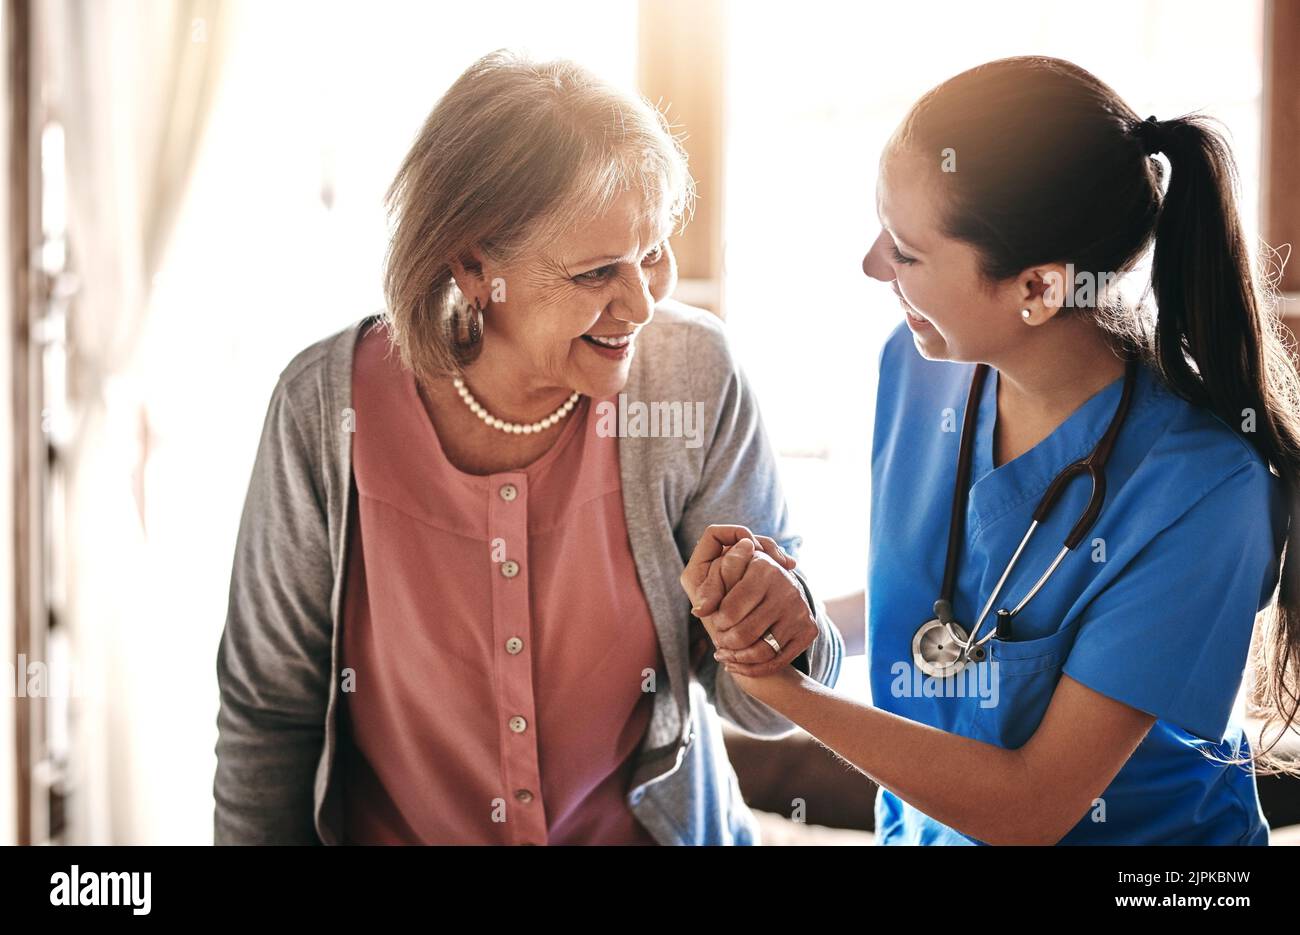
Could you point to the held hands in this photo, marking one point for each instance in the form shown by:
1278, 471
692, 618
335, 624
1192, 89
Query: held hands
741, 588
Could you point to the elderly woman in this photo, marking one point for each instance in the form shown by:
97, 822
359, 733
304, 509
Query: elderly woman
455, 612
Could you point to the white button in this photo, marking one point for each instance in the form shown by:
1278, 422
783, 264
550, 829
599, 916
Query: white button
523, 795
508, 492
514, 645
518, 724
509, 568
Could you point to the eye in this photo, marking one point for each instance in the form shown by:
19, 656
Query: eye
603, 273
599, 274
899, 257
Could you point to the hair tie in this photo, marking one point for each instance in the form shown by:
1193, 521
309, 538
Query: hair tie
1151, 135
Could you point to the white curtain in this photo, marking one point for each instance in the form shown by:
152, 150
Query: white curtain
133, 83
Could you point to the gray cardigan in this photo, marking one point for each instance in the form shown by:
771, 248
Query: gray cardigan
279, 654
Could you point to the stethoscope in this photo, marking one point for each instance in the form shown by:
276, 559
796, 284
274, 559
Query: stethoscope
941, 646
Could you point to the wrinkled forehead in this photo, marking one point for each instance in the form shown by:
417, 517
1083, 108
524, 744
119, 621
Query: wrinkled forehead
628, 225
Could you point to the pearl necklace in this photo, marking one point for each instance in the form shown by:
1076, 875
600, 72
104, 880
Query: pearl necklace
514, 428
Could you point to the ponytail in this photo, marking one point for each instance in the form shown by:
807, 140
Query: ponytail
1219, 345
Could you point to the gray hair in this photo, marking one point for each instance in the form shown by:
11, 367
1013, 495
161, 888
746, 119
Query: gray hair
513, 154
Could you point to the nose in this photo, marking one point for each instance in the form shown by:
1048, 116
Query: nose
875, 264
634, 303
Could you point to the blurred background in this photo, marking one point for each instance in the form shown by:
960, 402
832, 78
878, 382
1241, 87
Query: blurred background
195, 193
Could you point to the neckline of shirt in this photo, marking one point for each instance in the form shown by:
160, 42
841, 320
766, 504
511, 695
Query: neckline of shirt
994, 491
580, 415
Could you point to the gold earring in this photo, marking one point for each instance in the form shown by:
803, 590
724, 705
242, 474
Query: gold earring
465, 324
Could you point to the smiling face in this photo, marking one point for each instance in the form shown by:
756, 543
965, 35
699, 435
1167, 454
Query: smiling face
954, 312
567, 316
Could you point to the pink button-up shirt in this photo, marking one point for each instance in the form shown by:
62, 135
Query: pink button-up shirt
500, 650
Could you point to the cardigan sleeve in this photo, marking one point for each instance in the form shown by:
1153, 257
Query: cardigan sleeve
273, 663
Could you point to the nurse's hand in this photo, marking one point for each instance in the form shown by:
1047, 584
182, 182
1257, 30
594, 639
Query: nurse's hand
741, 593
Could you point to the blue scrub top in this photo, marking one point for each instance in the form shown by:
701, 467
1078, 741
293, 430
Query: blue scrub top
1154, 608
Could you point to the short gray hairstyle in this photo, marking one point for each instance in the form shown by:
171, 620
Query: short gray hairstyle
513, 154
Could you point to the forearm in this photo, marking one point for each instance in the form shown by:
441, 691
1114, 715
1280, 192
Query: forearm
979, 789
849, 612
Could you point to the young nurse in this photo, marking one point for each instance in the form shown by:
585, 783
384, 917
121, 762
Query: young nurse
1093, 704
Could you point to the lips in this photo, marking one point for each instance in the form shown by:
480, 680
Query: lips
609, 340
909, 311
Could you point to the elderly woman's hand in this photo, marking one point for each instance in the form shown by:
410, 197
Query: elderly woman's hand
742, 589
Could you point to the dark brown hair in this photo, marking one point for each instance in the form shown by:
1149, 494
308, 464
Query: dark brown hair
1052, 167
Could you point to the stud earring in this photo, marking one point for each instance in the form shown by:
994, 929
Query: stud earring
1024, 313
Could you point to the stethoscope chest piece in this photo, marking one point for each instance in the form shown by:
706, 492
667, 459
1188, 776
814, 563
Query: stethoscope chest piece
941, 647
938, 650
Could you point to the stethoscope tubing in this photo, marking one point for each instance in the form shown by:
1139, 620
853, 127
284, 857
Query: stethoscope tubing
1093, 466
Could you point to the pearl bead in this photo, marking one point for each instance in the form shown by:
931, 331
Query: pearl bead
512, 428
